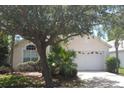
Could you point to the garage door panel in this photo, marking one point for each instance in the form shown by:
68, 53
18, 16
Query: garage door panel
90, 62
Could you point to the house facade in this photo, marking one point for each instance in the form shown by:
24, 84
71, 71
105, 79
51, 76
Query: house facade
91, 52
24, 51
120, 51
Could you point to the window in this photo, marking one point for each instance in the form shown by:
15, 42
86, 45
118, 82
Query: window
30, 53
30, 47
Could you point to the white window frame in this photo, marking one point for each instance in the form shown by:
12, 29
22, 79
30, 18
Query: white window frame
24, 48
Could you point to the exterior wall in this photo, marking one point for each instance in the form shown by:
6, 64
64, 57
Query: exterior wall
121, 57
91, 62
85, 61
18, 53
83, 43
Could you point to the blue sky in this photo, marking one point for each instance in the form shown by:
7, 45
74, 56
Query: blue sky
98, 31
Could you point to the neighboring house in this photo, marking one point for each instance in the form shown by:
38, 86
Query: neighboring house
91, 52
120, 50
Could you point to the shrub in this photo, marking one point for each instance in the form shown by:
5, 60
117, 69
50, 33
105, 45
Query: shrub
111, 63
29, 67
68, 70
4, 49
60, 62
13, 81
4, 69
54, 68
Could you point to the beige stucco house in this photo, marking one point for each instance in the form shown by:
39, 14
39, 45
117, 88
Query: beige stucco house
19, 52
91, 52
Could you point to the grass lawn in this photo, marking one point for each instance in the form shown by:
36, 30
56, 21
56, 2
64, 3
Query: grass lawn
121, 71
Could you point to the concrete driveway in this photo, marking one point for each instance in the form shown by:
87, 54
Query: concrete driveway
101, 80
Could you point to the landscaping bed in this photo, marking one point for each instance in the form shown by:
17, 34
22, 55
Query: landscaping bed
30, 80
19, 81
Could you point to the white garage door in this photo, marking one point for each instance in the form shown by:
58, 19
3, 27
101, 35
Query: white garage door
90, 62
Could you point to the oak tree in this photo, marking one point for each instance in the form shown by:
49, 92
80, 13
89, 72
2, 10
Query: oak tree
49, 25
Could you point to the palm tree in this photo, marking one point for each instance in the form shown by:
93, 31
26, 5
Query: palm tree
116, 34
116, 31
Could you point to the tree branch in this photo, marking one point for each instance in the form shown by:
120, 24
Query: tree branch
52, 39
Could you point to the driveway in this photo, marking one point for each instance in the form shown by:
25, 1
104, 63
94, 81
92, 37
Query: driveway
101, 80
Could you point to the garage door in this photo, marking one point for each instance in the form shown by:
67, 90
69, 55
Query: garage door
90, 61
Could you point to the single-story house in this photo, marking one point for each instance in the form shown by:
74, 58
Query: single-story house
91, 52
120, 51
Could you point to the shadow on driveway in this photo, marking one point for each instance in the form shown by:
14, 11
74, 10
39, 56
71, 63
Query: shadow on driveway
100, 83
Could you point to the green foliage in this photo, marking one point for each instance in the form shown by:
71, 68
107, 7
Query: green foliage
115, 29
54, 20
49, 25
14, 81
68, 70
60, 62
114, 24
121, 71
3, 49
116, 33
111, 63
29, 67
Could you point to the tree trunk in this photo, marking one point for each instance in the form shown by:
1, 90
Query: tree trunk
45, 68
116, 49
11, 53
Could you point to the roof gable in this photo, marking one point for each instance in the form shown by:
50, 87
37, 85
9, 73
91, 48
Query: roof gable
87, 43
